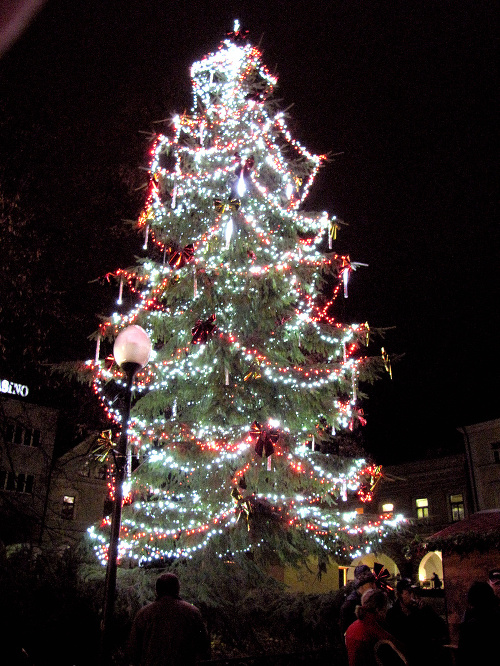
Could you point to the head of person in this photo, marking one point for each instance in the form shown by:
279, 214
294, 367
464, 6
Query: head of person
361, 569
167, 585
364, 582
481, 596
494, 581
405, 593
373, 603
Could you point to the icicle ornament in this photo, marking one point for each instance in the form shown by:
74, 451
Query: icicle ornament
120, 292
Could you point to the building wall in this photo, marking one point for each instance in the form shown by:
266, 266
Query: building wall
482, 446
460, 572
57, 499
27, 437
77, 495
436, 480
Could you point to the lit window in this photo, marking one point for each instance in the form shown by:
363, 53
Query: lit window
68, 507
422, 505
387, 508
457, 507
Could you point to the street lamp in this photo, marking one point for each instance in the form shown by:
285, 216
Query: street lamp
131, 350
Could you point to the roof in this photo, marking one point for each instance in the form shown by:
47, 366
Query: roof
481, 531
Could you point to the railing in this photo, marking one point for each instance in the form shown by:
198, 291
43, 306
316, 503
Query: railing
314, 658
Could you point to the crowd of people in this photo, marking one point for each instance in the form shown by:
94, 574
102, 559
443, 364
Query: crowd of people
401, 630
380, 626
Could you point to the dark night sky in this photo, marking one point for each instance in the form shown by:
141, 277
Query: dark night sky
406, 92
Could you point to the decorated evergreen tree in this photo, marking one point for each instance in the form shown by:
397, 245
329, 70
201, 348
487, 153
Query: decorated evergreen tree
239, 419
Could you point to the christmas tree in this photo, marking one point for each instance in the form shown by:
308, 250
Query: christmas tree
238, 418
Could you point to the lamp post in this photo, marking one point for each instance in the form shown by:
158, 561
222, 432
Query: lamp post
131, 350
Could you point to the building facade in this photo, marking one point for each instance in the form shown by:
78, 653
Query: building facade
45, 499
482, 449
27, 439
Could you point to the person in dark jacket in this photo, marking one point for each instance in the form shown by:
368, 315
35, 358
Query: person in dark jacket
478, 633
364, 580
419, 628
169, 631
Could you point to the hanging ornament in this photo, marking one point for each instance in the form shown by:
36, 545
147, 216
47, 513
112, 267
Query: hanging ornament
146, 235
281, 321
229, 232
242, 173
220, 205
345, 279
249, 165
253, 373
387, 362
241, 187
120, 292
226, 376
180, 258
104, 445
343, 490
363, 493
266, 437
174, 194
97, 349
357, 416
243, 507
367, 334
332, 232
195, 282
203, 330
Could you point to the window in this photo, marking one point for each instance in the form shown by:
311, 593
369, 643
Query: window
387, 508
457, 507
496, 451
20, 483
17, 434
68, 507
422, 505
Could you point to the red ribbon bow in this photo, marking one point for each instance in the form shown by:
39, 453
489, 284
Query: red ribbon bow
182, 257
266, 439
382, 575
203, 330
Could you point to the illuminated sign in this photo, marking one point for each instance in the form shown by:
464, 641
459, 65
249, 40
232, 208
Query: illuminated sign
13, 388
